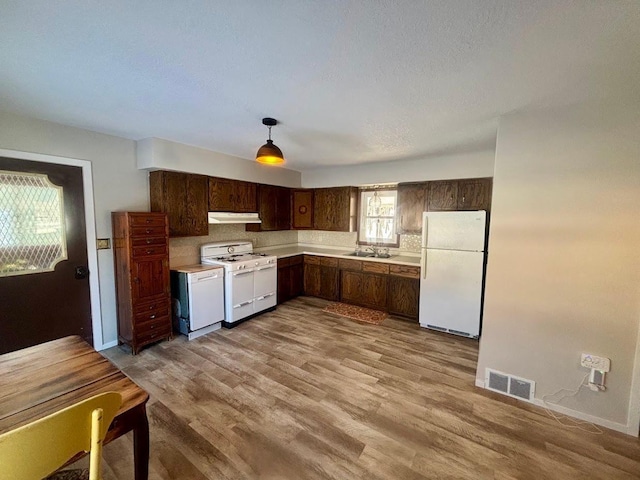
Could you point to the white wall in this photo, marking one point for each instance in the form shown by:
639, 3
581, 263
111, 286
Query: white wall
564, 259
118, 184
159, 154
462, 165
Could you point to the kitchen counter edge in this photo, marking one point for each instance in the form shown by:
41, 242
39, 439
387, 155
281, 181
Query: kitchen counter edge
285, 252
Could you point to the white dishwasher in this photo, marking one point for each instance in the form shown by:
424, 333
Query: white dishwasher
198, 299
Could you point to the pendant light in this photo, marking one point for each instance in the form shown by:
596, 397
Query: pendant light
269, 153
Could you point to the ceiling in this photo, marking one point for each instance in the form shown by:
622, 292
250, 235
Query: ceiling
350, 81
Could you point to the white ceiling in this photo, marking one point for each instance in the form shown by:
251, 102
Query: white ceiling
350, 81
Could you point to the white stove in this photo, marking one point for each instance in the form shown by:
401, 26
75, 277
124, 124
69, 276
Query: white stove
251, 279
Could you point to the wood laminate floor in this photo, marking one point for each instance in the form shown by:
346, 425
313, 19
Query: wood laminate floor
302, 394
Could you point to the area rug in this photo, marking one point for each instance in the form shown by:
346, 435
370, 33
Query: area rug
359, 314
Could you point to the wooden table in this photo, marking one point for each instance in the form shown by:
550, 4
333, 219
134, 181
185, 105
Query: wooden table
40, 380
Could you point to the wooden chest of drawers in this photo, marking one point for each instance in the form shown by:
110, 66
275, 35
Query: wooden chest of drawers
141, 258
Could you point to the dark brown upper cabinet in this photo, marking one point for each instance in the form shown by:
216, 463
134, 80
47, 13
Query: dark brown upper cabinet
443, 195
301, 209
412, 202
183, 197
335, 209
474, 194
274, 208
227, 195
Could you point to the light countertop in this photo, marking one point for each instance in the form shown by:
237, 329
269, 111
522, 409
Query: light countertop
339, 252
195, 268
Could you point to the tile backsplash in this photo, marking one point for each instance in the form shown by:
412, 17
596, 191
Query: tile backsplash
186, 250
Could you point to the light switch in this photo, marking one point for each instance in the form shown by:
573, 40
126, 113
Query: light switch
104, 244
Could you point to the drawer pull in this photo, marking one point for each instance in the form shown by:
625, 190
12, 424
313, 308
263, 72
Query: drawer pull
148, 220
152, 307
148, 230
152, 316
149, 252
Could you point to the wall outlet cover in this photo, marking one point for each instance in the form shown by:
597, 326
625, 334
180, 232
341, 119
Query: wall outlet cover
601, 364
104, 244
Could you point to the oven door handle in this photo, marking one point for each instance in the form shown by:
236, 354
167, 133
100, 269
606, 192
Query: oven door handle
243, 304
243, 272
265, 268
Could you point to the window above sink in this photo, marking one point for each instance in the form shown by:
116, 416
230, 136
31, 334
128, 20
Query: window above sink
377, 216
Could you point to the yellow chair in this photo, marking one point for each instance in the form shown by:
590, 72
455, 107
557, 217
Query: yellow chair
38, 449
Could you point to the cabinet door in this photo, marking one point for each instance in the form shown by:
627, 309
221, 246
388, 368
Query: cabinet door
302, 209
284, 284
443, 196
150, 278
334, 209
412, 201
474, 194
329, 283
350, 286
404, 296
196, 222
267, 208
312, 275
222, 196
374, 290
296, 279
283, 208
245, 197
183, 197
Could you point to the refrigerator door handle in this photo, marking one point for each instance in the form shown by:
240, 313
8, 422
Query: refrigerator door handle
425, 229
423, 267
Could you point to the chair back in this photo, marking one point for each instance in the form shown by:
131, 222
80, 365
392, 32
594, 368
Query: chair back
36, 450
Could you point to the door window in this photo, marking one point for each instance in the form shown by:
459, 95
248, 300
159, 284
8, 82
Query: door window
32, 224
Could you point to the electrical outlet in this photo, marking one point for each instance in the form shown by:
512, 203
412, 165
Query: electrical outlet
601, 364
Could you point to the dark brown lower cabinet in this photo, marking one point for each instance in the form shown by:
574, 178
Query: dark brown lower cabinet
366, 289
404, 296
290, 278
381, 286
321, 277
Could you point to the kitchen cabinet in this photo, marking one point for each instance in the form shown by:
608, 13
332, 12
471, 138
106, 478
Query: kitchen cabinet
443, 196
301, 209
359, 285
474, 194
335, 209
274, 208
412, 202
467, 194
404, 290
290, 278
183, 197
321, 277
378, 285
141, 261
226, 195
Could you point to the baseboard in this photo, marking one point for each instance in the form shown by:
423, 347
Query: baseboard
104, 346
618, 427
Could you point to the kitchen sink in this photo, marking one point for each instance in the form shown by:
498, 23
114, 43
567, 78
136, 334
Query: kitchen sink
368, 255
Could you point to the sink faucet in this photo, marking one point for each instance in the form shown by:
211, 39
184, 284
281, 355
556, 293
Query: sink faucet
373, 249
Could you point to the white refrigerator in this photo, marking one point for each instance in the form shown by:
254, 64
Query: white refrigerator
452, 264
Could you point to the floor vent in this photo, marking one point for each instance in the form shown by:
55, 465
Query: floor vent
510, 385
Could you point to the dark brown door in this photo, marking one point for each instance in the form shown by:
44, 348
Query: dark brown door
38, 307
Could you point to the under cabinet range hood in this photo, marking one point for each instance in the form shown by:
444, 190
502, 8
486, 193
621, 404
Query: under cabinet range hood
227, 217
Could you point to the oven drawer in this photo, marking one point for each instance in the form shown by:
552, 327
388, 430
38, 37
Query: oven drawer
265, 301
241, 310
